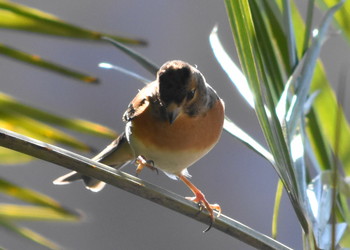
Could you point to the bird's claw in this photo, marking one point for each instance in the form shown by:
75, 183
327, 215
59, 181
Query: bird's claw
142, 162
203, 203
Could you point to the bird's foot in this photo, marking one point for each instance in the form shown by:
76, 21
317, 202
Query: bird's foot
203, 203
142, 162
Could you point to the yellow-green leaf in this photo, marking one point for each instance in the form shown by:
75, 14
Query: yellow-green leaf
27, 126
21, 17
342, 17
325, 104
33, 122
8, 157
37, 61
33, 197
27, 233
44, 208
276, 208
26, 212
82, 126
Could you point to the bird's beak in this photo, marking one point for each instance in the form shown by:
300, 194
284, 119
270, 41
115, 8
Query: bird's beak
173, 112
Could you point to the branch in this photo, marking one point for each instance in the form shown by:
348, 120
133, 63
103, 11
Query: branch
133, 185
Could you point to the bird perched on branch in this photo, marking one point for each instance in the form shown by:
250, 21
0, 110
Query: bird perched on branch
170, 124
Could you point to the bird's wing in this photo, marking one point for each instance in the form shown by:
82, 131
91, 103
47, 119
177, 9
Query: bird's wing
141, 102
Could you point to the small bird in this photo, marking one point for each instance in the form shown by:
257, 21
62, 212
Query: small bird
170, 124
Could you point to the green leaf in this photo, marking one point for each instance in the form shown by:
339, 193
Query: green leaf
304, 80
309, 18
269, 53
239, 134
28, 234
21, 17
37, 213
43, 208
37, 61
320, 193
252, 62
323, 116
231, 69
290, 33
342, 17
326, 107
278, 35
38, 130
34, 122
248, 52
276, 208
10, 157
106, 65
143, 61
82, 126
33, 197
251, 27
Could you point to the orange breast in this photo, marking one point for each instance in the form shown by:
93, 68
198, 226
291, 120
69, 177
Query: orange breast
186, 133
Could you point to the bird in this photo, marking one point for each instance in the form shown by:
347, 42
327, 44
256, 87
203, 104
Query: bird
170, 124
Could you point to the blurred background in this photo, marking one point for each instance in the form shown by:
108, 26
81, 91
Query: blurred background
232, 175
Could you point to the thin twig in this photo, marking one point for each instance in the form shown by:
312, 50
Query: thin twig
133, 185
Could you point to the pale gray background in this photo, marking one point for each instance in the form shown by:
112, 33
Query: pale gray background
232, 175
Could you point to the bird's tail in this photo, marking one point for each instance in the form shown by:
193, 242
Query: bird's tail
90, 183
116, 154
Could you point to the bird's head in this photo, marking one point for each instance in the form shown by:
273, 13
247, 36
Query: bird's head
182, 89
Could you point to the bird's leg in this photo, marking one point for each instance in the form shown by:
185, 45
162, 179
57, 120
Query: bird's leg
142, 162
201, 201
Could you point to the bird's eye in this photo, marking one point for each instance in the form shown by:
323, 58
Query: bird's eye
190, 94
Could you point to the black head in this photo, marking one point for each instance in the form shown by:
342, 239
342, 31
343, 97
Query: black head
174, 78
181, 88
